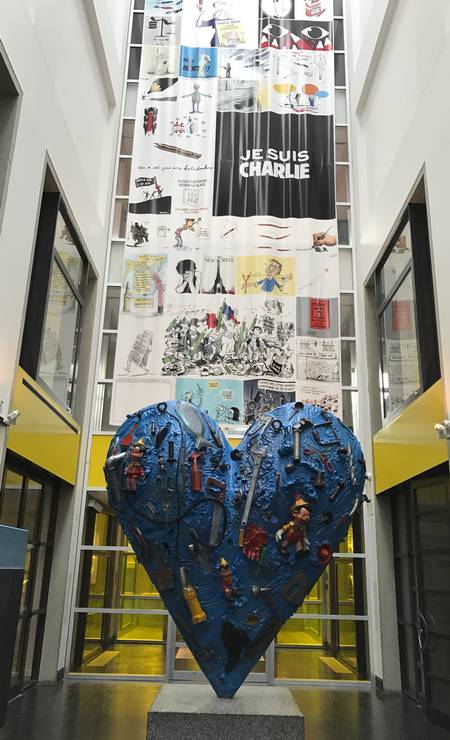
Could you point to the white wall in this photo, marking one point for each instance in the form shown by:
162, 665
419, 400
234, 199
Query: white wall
68, 57
66, 116
400, 127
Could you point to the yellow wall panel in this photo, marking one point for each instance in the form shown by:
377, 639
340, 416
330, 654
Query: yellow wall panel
45, 434
99, 449
409, 445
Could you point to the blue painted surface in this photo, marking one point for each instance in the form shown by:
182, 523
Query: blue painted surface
165, 512
13, 547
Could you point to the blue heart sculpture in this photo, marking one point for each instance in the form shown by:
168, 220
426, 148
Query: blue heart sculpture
234, 539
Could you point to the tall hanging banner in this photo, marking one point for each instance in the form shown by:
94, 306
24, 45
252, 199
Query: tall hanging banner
230, 293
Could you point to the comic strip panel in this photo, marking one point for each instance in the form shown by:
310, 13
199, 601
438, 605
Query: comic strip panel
261, 396
318, 360
162, 30
231, 337
318, 317
264, 275
228, 23
327, 396
277, 33
222, 399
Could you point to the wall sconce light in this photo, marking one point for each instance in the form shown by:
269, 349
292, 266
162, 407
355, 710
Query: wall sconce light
443, 429
9, 420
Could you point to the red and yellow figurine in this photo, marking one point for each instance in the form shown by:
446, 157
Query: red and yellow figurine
226, 580
134, 471
295, 532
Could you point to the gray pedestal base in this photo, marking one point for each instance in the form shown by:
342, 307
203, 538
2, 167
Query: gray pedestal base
193, 712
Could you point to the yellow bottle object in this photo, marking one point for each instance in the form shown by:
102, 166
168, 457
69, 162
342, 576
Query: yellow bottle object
191, 598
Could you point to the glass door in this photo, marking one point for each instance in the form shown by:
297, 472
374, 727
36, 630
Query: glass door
421, 518
432, 521
27, 502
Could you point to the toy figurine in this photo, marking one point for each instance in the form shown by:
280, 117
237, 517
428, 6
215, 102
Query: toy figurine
226, 580
254, 540
134, 471
295, 531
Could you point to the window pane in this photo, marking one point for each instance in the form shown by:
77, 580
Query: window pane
339, 35
341, 104
10, 498
120, 219
347, 315
123, 178
140, 4
342, 184
31, 511
126, 146
131, 100
131, 644
345, 269
339, 69
316, 649
59, 344
350, 409
16, 666
397, 261
399, 352
112, 307
26, 581
38, 578
339, 7
348, 363
137, 29
103, 408
68, 251
134, 63
343, 219
29, 659
341, 134
116, 262
107, 356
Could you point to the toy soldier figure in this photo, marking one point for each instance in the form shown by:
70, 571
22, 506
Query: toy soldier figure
295, 531
134, 471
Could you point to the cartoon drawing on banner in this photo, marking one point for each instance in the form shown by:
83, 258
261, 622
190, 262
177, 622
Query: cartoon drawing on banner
222, 399
158, 86
150, 120
243, 64
277, 8
318, 317
218, 275
196, 97
261, 396
138, 234
295, 34
266, 275
220, 23
189, 277
160, 30
144, 281
159, 60
318, 359
189, 224
139, 354
163, 7
240, 95
306, 99
221, 17
220, 343
152, 196
326, 396
198, 62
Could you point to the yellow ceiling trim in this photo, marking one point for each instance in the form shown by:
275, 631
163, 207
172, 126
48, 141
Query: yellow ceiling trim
45, 434
409, 444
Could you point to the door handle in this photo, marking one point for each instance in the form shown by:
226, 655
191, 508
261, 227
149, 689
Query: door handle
422, 631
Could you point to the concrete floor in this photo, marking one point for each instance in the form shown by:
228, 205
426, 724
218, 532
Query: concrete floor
90, 710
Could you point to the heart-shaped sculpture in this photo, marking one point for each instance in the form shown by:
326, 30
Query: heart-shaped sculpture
234, 539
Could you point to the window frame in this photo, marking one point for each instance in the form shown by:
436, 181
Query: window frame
45, 256
420, 267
